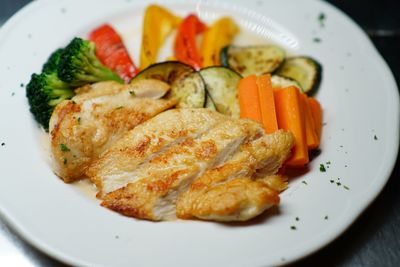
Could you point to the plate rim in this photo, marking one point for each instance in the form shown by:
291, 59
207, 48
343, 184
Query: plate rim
341, 226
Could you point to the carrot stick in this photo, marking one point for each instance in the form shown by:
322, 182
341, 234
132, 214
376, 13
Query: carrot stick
290, 118
267, 103
112, 52
249, 100
316, 112
311, 135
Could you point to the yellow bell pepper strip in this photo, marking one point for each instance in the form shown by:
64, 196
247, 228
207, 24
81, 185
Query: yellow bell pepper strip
185, 48
219, 35
157, 25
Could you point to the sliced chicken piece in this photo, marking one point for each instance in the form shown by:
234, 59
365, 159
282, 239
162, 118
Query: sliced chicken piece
118, 166
238, 199
100, 114
216, 195
166, 176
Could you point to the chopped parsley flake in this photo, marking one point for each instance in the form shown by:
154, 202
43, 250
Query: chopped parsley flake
304, 182
321, 19
116, 237
3, 144
64, 148
22, 85
79, 119
293, 227
346, 187
297, 219
317, 40
375, 137
338, 183
326, 217
322, 168
332, 181
132, 93
13, 94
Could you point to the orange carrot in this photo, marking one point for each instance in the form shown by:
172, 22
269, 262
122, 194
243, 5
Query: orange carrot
316, 112
267, 103
290, 118
249, 100
311, 135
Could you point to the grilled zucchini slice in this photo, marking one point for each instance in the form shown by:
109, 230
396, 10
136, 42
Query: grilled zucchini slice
283, 82
305, 70
210, 103
250, 60
221, 85
186, 84
167, 71
189, 90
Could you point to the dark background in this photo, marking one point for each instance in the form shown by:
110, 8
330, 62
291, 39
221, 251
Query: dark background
374, 239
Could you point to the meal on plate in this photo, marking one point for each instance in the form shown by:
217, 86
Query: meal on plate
206, 134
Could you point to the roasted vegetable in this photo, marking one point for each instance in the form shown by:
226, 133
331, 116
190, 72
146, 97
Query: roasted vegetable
44, 92
186, 84
219, 35
221, 85
250, 60
167, 71
305, 70
52, 62
283, 82
189, 90
112, 52
185, 48
79, 65
209, 102
157, 25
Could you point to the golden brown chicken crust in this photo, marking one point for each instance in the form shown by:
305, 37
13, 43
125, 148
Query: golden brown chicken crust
146, 143
170, 173
82, 128
239, 199
268, 152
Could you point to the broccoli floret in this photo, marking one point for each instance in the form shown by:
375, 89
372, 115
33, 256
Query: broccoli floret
52, 62
44, 92
79, 64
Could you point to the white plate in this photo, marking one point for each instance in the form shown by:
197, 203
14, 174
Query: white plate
360, 101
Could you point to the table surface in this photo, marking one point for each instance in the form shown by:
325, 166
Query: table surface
373, 240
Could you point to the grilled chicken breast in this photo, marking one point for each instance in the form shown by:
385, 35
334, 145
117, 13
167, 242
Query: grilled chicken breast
233, 191
127, 159
157, 170
99, 115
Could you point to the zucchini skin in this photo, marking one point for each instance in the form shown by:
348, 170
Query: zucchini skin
316, 80
154, 71
186, 83
221, 90
248, 60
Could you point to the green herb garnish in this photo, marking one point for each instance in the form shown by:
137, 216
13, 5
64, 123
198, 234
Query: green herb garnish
322, 168
321, 19
64, 148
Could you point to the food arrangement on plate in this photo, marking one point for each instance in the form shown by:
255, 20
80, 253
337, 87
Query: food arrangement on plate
206, 134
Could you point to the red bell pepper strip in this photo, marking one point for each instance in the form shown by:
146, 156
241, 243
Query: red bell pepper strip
185, 48
112, 53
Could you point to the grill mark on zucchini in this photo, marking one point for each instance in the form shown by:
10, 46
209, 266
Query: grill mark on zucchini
305, 70
250, 60
186, 84
221, 84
